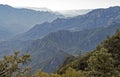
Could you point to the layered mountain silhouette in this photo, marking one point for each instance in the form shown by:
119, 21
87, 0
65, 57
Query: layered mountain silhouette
70, 42
94, 19
19, 20
72, 13
63, 37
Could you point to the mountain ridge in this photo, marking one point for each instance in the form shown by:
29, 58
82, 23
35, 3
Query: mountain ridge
19, 20
71, 35
94, 19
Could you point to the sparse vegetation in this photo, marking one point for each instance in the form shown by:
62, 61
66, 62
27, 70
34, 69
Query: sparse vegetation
102, 62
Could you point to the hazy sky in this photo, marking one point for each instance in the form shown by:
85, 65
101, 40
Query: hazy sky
56, 5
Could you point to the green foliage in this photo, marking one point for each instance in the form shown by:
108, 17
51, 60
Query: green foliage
11, 66
104, 61
101, 64
39, 73
69, 73
68, 60
73, 73
80, 63
113, 46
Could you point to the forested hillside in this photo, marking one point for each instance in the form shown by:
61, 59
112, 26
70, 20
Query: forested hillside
64, 37
59, 38
101, 62
69, 42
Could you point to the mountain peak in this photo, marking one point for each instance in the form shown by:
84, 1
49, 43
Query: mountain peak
110, 8
5, 6
115, 7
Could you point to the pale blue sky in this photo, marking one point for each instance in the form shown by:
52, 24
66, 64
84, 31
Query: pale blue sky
56, 5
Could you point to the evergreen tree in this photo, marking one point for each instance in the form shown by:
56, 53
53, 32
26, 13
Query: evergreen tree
101, 64
112, 44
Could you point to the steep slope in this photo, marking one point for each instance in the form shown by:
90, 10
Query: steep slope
4, 33
20, 20
111, 44
43, 50
94, 19
70, 42
51, 62
69, 35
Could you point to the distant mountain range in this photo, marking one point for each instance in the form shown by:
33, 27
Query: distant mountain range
43, 51
73, 42
69, 42
94, 19
66, 13
72, 13
38, 9
51, 42
18, 20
